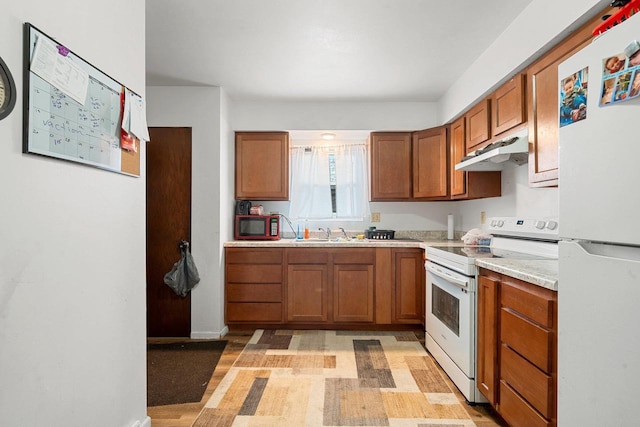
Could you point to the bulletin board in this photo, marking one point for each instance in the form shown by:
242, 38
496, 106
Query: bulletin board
72, 110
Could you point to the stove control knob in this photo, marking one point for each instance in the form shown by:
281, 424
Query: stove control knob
540, 225
552, 225
493, 222
500, 223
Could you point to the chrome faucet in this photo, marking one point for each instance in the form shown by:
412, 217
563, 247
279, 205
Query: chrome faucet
327, 231
344, 233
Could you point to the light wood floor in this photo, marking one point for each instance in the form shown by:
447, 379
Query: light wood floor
185, 414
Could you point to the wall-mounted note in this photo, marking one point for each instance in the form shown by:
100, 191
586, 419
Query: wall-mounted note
72, 110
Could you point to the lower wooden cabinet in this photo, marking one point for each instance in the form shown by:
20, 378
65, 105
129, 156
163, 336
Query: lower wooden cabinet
517, 349
253, 289
324, 287
409, 281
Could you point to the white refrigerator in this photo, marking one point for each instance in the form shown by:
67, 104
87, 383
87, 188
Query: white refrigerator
599, 252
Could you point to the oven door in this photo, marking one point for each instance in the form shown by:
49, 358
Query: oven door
450, 318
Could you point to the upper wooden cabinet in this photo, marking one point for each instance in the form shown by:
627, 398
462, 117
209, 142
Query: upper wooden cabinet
409, 165
542, 100
458, 178
390, 166
430, 164
469, 185
508, 105
262, 166
478, 125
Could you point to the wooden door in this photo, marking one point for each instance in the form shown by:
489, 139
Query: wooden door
353, 289
487, 375
542, 106
168, 222
307, 293
430, 164
262, 166
508, 106
409, 286
458, 178
478, 125
390, 166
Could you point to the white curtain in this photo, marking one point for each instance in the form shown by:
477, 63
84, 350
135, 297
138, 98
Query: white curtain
310, 182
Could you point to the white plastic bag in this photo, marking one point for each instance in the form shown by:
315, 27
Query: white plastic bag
474, 235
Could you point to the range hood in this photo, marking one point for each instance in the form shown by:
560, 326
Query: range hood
514, 148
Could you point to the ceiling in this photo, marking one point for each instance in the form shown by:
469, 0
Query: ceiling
321, 50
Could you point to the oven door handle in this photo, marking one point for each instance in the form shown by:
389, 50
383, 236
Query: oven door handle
449, 278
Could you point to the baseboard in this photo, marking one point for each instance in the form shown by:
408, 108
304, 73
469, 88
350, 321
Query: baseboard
210, 335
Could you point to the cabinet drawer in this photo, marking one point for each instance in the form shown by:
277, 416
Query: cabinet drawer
307, 256
358, 256
242, 273
529, 300
533, 342
254, 312
253, 256
530, 382
250, 292
516, 411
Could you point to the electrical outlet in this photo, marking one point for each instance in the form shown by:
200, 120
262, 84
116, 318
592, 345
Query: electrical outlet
482, 217
375, 216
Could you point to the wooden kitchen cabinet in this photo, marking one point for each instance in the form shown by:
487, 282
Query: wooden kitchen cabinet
324, 287
391, 166
253, 285
487, 347
478, 125
330, 285
262, 166
520, 333
409, 285
409, 166
467, 185
308, 287
508, 105
542, 106
353, 285
430, 155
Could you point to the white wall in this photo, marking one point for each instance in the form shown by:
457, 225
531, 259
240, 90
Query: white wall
518, 199
72, 252
200, 108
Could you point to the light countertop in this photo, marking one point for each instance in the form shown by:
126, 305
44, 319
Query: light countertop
541, 272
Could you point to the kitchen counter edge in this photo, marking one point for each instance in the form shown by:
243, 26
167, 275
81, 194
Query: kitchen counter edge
541, 272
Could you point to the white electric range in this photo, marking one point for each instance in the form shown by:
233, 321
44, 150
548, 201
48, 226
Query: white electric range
451, 305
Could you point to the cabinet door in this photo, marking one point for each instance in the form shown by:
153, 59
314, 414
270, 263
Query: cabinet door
542, 107
353, 289
430, 164
262, 166
390, 166
307, 293
487, 347
478, 125
458, 178
508, 106
409, 286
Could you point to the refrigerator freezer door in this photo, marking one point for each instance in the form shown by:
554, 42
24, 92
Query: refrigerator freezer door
598, 156
598, 340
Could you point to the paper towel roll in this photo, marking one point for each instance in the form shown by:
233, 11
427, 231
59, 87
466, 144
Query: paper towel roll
450, 227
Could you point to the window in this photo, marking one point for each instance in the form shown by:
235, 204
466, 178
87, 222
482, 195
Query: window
329, 182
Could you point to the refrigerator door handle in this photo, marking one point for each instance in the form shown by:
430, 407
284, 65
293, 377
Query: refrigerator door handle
610, 251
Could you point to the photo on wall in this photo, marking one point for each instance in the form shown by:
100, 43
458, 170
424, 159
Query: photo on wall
573, 97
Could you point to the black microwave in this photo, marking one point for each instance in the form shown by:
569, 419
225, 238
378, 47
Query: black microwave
257, 227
